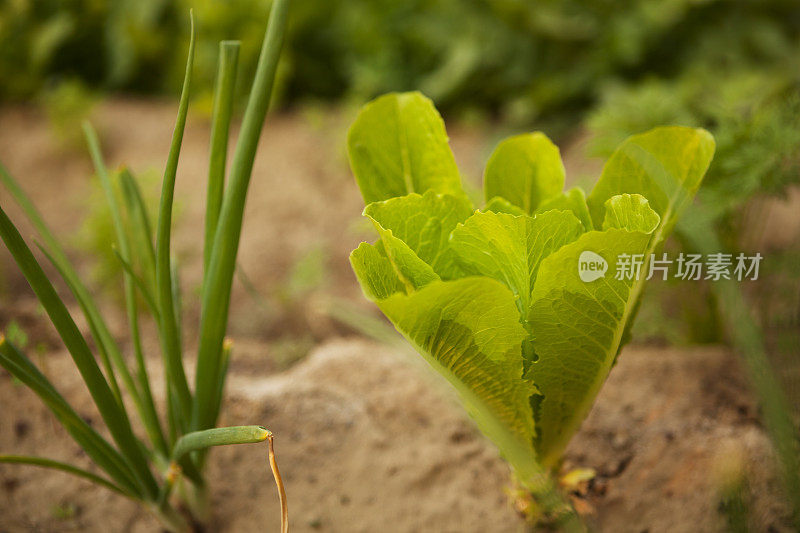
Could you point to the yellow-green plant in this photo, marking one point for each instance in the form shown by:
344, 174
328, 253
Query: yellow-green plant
494, 297
147, 469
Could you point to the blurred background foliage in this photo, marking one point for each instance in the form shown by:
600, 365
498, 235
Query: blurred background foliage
732, 66
564, 66
524, 59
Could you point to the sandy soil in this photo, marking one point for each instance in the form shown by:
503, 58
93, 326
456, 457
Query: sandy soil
367, 441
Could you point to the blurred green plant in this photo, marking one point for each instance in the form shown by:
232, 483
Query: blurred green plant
746, 336
307, 274
97, 236
755, 118
731, 479
17, 335
513, 56
68, 103
489, 298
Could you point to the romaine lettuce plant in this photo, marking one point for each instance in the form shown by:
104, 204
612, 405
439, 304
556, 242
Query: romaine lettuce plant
492, 297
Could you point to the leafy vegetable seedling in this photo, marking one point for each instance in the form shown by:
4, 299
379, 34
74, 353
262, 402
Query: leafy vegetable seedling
173, 452
517, 304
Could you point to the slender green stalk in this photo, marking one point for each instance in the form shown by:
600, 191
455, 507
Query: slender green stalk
142, 230
64, 467
143, 399
142, 238
171, 519
139, 283
200, 440
177, 300
152, 271
178, 387
220, 129
111, 411
217, 286
107, 346
95, 446
747, 337
227, 349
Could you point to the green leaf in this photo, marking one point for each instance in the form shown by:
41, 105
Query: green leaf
200, 440
111, 411
169, 327
142, 231
220, 127
142, 398
501, 205
398, 145
64, 467
577, 329
410, 269
108, 348
143, 250
139, 284
510, 248
631, 212
665, 165
573, 200
469, 331
95, 446
375, 272
525, 170
424, 223
218, 280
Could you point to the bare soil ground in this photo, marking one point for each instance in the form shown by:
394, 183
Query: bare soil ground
367, 440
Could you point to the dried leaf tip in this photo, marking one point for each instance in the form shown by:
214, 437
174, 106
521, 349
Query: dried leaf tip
273, 463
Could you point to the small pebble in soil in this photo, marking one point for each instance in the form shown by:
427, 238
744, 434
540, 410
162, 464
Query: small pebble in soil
598, 486
619, 441
21, 428
619, 466
458, 436
10, 484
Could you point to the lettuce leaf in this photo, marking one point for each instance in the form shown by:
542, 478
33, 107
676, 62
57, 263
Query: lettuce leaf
424, 223
510, 248
525, 170
398, 145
